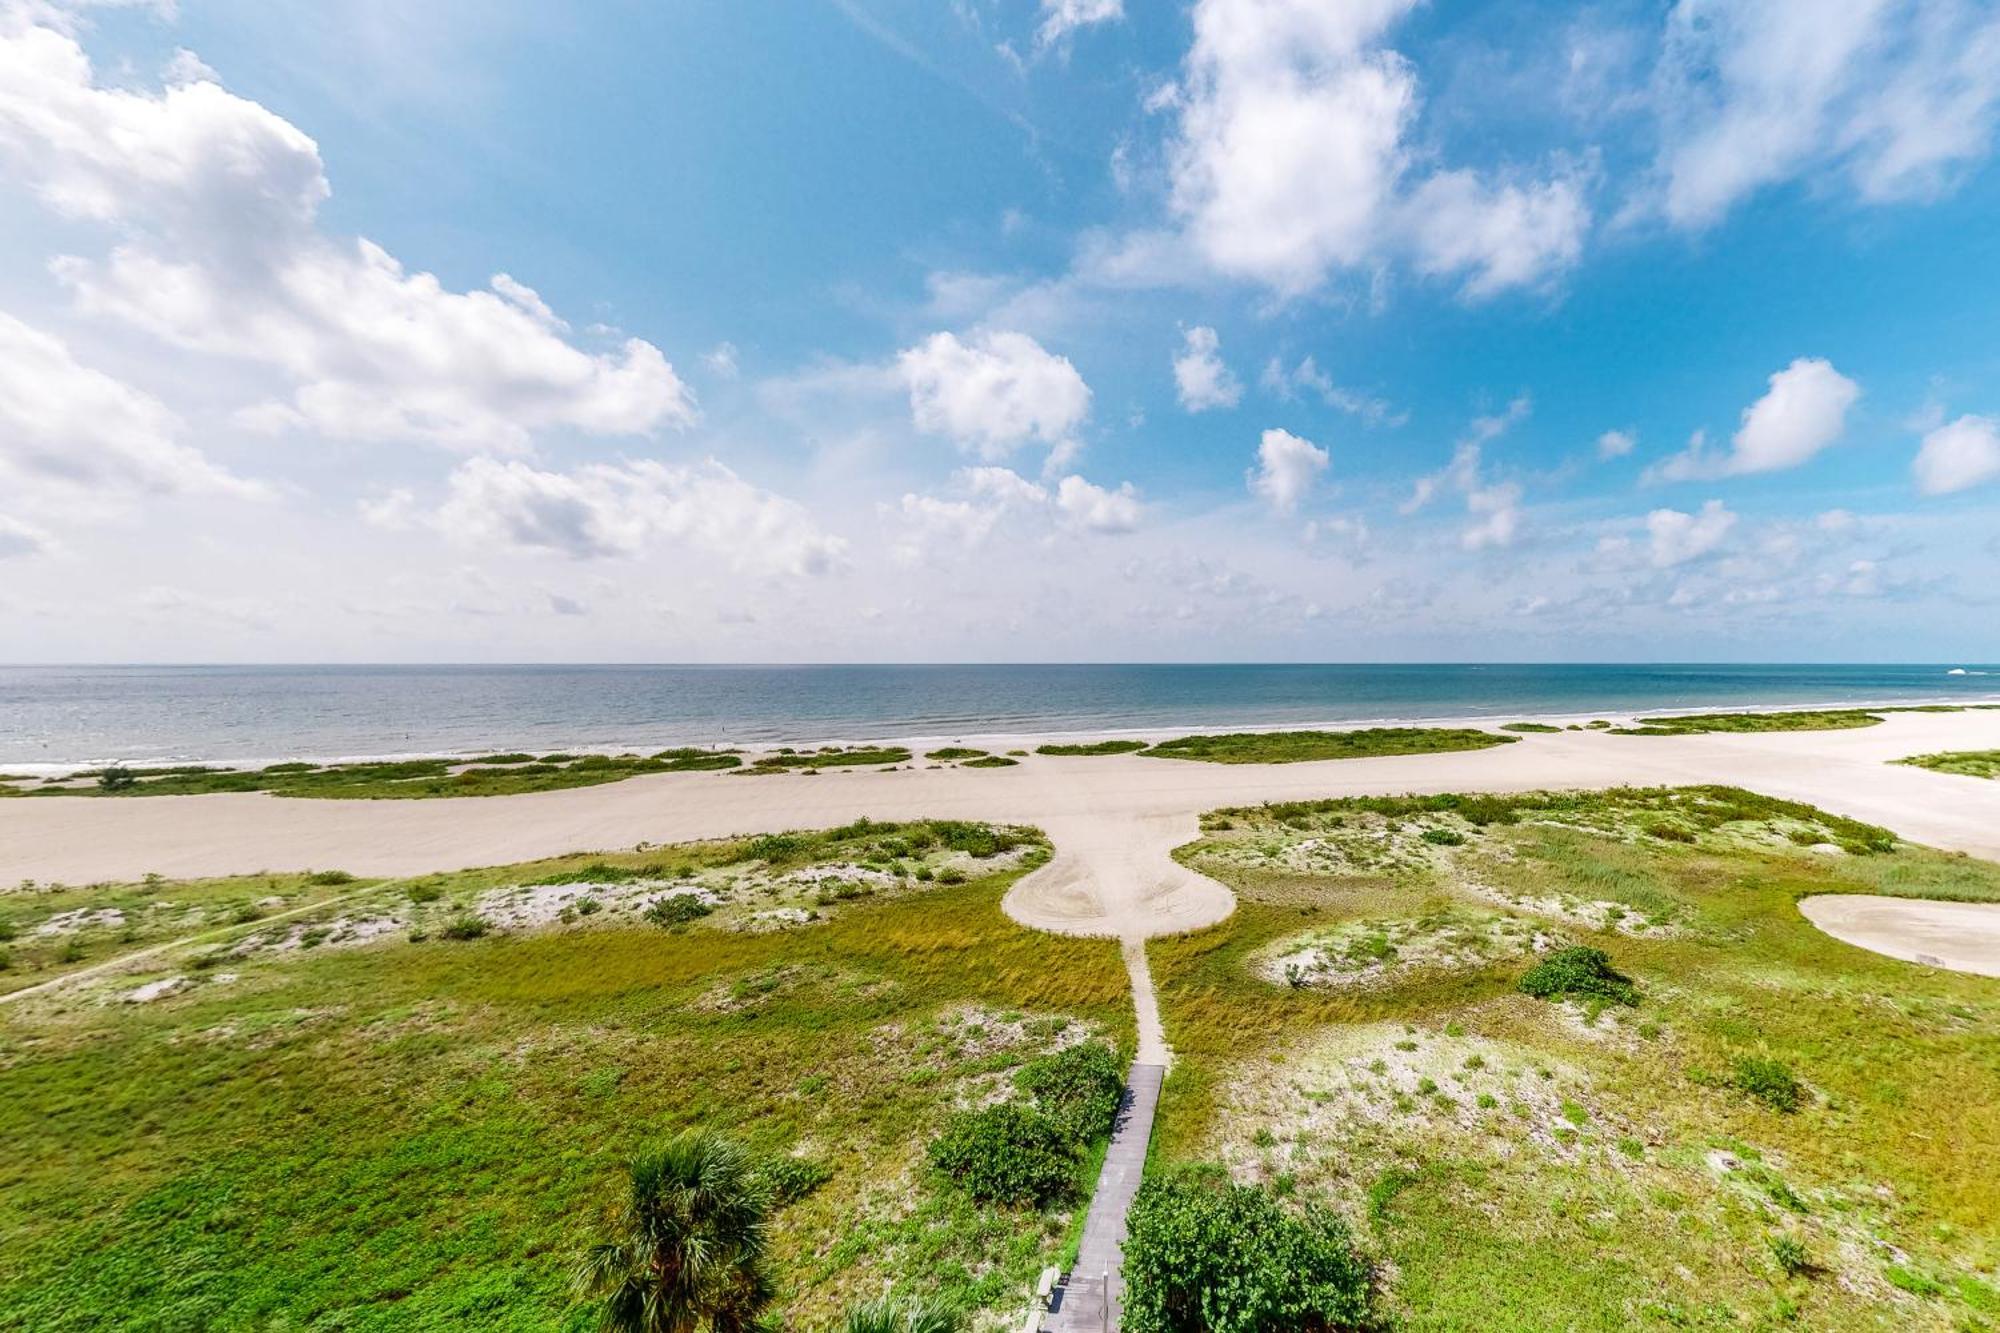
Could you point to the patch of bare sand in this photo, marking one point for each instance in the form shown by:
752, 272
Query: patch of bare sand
1964, 937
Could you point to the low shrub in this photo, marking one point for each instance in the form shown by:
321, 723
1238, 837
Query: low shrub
1578, 972
1769, 1081
793, 1178
1443, 837
1093, 748
329, 877
1789, 1252
466, 927
677, 909
1202, 1253
117, 778
1008, 1154
1079, 1088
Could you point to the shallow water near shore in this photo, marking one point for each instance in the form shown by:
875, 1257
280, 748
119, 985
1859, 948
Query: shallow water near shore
75, 715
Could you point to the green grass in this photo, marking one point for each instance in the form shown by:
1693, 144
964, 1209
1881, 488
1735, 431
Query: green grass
424, 1135
952, 752
1526, 1164
1967, 763
1091, 748
1290, 747
832, 756
1533, 728
1700, 723
406, 779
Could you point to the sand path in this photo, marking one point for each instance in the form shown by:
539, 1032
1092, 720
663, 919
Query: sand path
1114, 820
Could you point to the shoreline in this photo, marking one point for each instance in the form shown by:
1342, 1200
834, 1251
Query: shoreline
1001, 740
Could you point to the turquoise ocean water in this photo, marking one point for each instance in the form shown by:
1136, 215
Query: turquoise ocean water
71, 715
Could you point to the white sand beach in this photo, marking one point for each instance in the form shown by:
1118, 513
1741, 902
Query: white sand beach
1114, 820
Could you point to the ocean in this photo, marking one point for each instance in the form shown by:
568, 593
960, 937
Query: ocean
66, 716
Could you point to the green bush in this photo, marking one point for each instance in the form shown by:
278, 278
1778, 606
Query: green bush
467, 927
677, 909
329, 877
1582, 972
1790, 1254
1092, 748
1443, 837
117, 778
1078, 1088
1008, 1154
1770, 1082
792, 1178
1203, 1255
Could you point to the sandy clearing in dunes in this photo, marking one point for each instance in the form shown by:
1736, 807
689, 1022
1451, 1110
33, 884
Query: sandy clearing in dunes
1964, 937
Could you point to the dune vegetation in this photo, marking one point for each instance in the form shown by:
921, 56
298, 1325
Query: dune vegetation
1090, 748
1530, 728
1966, 763
402, 779
1577, 1061
414, 1107
1694, 724
1291, 747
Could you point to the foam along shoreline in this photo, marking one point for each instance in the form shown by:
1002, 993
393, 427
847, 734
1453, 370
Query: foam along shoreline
1023, 740
1964, 937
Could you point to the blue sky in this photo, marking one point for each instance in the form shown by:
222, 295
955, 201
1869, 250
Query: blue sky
999, 330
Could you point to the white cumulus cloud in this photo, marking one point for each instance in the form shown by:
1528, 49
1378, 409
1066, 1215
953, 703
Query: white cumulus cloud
994, 392
1679, 537
1287, 469
1097, 509
215, 200
1802, 412
66, 425
1200, 375
1959, 455
1291, 155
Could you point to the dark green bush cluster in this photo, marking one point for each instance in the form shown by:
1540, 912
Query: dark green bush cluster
1092, 748
1010, 1153
677, 909
981, 840
1031, 1153
1769, 1081
1078, 1088
1582, 972
467, 927
1204, 1255
1443, 837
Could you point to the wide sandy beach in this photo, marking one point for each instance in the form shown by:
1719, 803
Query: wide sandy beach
1114, 820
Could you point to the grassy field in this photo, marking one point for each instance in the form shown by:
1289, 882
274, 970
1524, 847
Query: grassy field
1291, 747
409, 1109
1354, 1034
1967, 763
487, 775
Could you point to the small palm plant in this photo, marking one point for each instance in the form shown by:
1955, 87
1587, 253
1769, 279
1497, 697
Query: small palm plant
687, 1250
891, 1315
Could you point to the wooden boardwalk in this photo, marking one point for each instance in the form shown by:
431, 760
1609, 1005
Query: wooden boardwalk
1089, 1301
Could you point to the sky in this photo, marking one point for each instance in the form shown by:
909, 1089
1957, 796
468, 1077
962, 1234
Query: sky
999, 330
